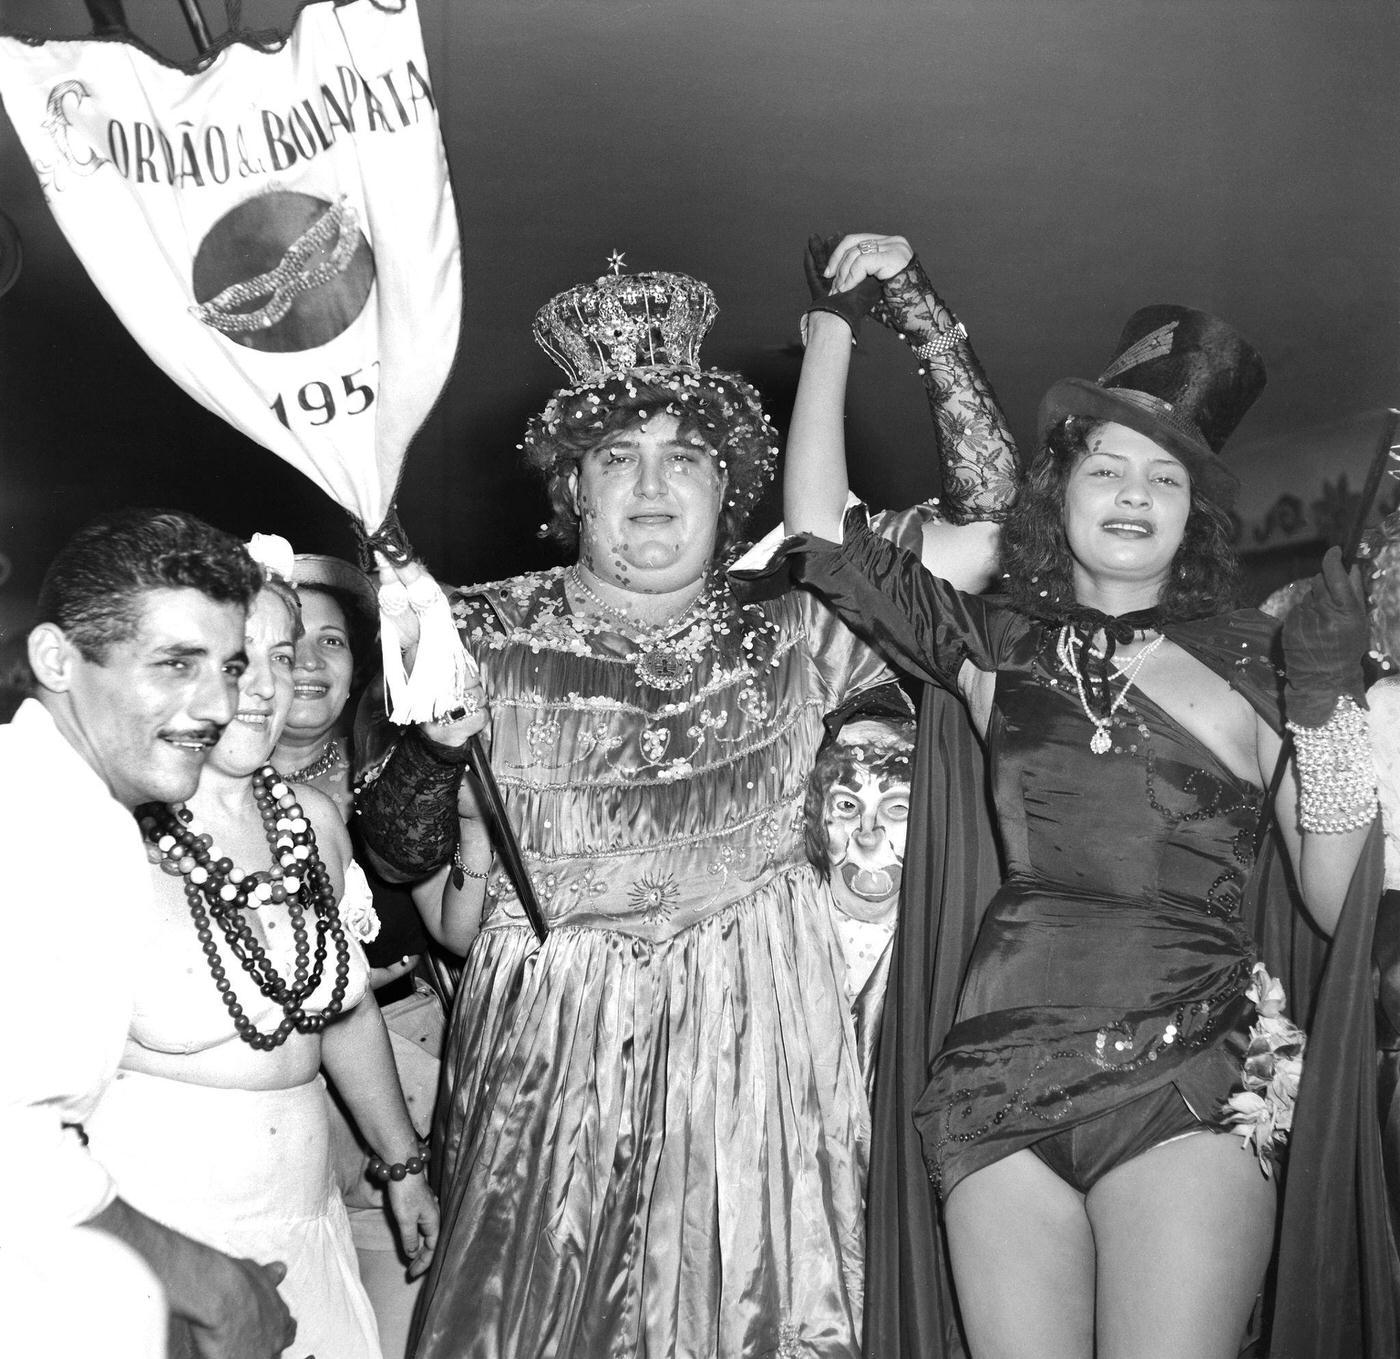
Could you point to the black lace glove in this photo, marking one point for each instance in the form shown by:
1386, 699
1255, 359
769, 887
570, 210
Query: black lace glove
1325, 637
852, 306
408, 815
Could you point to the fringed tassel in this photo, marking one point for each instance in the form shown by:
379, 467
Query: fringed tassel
442, 671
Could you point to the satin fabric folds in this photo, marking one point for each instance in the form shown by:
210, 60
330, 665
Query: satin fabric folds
653, 1134
1334, 1287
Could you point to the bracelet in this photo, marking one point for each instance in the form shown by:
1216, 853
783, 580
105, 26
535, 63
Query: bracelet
942, 342
380, 1169
460, 869
1336, 771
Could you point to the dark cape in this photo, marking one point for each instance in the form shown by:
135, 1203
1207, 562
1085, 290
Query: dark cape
951, 870
1335, 1286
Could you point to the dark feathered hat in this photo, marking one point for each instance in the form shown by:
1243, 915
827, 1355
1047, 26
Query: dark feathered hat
1181, 378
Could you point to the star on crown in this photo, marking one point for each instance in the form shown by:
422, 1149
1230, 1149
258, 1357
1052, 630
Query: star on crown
619, 322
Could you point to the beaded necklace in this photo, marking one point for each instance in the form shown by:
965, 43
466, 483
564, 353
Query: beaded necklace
667, 652
331, 757
1101, 742
215, 889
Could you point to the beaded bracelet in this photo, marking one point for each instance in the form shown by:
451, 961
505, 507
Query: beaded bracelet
1336, 771
380, 1169
942, 342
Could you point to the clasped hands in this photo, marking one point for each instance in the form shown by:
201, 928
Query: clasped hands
845, 273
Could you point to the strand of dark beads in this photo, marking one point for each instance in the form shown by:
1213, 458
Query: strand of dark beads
380, 1169
227, 893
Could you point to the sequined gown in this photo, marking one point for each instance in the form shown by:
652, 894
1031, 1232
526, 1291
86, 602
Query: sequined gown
1113, 959
653, 1136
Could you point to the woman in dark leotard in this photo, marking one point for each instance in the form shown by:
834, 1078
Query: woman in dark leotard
1133, 720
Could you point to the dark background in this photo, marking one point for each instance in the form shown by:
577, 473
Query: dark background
1058, 163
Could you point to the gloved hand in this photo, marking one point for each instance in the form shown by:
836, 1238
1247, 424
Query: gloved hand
852, 306
1325, 637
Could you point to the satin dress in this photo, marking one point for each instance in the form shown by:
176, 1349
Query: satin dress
1113, 960
653, 1134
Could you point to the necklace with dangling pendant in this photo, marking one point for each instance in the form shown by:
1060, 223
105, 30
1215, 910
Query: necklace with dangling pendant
664, 667
1101, 742
664, 660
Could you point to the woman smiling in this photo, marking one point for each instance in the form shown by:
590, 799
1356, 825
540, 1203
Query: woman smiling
1085, 1116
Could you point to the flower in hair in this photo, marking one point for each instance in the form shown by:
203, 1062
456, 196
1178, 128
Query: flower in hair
274, 554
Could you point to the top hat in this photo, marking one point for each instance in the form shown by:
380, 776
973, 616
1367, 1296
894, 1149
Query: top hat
1179, 377
622, 322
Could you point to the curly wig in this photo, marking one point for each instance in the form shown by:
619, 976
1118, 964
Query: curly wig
1038, 567
721, 408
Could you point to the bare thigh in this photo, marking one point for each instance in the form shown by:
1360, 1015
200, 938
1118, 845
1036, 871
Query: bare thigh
1182, 1235
1023, 1262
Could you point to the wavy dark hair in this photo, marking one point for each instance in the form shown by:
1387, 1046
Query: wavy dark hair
721, 408
1037, 565
93, 590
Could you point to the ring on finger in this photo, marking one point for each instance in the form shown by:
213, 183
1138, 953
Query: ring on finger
869, 247
468, 707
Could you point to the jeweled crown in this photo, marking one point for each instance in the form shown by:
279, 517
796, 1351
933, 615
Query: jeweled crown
619, 322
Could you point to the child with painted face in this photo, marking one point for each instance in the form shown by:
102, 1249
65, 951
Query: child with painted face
857, 819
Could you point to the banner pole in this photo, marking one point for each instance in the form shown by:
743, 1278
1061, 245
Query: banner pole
108, 18
199, 30
1385, 442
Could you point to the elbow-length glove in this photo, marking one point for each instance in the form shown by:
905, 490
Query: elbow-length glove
975, 448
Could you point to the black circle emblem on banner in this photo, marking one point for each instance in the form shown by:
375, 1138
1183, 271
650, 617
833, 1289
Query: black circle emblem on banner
283, 272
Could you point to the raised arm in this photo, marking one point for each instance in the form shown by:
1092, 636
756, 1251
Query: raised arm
976, 453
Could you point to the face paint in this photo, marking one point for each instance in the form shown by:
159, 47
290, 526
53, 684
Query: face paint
865, 814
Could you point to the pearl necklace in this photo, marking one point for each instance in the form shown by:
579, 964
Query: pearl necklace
1101, 742
668, 652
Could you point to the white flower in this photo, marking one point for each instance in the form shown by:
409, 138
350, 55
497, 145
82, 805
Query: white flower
1262, 1112
1266, 993
1250, 1111
274, 554
357, 911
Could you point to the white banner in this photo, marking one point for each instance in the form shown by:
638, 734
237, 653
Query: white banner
276, 229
